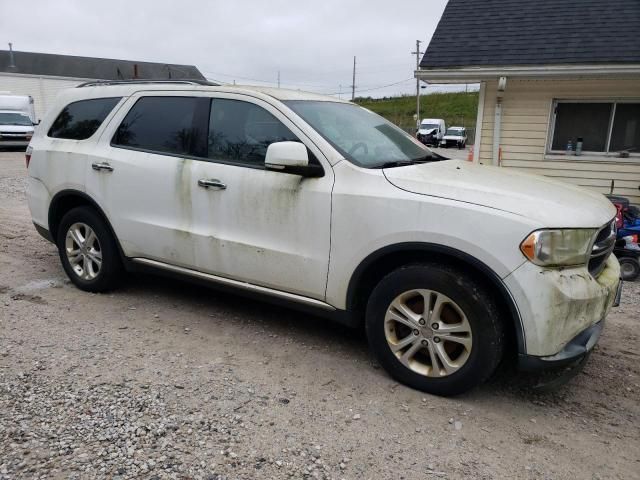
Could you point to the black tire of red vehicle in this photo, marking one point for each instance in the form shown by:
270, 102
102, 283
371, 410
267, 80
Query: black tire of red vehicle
629, 268
111, 270
471, 296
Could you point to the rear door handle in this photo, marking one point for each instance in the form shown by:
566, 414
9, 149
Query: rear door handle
211, 182
102, 166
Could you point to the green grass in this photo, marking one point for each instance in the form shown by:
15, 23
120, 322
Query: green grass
457, 109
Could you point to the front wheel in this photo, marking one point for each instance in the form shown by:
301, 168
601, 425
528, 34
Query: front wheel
435, 329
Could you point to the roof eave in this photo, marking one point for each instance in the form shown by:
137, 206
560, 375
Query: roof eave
478, 74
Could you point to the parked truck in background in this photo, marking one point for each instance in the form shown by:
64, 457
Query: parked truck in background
17, 119
431, 131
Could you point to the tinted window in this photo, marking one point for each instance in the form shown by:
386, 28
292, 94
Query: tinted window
240, 132
80, 120
174, 125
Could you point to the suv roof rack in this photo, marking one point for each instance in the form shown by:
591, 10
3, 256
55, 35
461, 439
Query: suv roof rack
194, 81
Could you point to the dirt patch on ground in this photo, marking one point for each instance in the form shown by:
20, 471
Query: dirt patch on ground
165, 379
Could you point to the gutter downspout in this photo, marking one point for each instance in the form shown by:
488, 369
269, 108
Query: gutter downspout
479, 119
497, 121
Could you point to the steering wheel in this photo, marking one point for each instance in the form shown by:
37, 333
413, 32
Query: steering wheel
358, 146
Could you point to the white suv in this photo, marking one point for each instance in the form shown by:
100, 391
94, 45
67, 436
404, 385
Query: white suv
323, 204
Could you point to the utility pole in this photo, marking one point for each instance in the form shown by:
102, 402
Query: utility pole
353, 84
278, 78
417, 54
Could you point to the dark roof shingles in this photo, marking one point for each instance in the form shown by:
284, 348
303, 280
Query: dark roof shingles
541, 32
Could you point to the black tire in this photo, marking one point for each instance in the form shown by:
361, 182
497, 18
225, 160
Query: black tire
629, 268
477, 304
110, 270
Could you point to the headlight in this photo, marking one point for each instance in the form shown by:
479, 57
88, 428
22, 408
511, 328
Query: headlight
559, 248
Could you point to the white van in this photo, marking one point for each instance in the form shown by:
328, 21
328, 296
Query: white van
431, 131
17, 119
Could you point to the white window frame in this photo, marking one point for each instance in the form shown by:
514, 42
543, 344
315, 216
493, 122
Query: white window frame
607, 153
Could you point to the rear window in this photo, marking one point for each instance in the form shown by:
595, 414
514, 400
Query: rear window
171, 125
79, 120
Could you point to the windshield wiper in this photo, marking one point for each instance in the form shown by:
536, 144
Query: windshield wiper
404, 163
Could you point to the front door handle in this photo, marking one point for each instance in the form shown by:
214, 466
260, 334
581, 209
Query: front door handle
211, 182
102, 166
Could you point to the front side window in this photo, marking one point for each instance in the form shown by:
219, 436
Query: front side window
10, 118
361, 136
240, 132
602, 126
171, 125
79, 120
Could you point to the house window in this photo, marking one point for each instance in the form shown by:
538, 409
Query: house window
604, 127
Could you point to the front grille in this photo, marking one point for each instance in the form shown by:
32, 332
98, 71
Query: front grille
602, 248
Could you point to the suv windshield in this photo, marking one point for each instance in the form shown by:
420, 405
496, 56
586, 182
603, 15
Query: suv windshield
363, 137
9, 118
455, 132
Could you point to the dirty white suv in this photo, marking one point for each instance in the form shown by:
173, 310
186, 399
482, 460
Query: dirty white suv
451, 266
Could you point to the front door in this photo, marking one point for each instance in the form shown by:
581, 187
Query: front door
255, 225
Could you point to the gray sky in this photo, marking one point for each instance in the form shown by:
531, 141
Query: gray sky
311, 43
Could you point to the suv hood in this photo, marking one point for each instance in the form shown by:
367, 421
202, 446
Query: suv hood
551, 203
453, 137
16, 129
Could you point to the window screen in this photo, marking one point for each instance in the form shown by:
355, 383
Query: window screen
79, 120
626, 128
174, 125
589, 121
240, 132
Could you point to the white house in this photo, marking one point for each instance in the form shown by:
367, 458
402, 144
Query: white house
552, 74
43, 75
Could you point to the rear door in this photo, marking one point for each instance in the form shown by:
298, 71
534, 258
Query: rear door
141, 174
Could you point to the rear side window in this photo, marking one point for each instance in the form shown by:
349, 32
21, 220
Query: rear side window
173, 125
79, 120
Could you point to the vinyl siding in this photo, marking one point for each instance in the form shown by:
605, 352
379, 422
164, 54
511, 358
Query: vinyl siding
526, 117
43, 89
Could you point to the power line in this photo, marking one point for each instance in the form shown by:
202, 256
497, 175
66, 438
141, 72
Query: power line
360, 90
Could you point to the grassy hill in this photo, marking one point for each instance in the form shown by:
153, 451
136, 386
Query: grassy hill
457, 109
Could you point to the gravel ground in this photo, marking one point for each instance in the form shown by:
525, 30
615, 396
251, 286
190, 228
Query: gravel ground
161, 379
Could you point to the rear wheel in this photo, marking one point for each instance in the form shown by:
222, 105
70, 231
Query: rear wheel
88, 251
435, 329
629, 268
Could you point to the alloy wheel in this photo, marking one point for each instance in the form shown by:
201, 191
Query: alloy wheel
428, 332
83, 251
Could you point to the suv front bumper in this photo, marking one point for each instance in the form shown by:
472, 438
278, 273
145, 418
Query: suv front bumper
573, 351
562, 311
